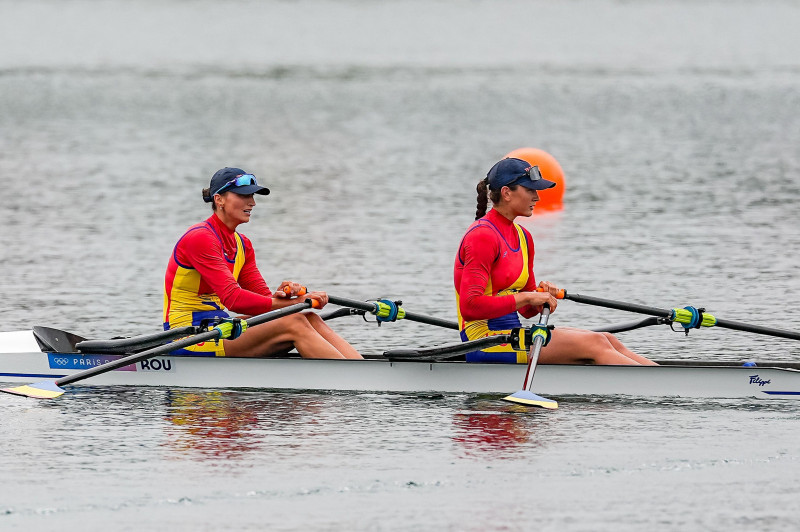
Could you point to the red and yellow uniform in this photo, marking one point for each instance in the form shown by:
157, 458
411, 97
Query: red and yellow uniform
212, 269
494, 261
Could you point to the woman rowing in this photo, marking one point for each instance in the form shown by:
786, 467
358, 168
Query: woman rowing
494, 277
213, 268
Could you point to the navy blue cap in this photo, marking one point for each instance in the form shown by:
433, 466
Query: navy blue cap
225, 178
513, 171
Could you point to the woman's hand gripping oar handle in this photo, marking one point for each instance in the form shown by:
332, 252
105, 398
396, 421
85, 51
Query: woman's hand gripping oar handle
50, 389
560, 294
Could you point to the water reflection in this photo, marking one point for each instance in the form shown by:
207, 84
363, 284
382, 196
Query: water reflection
214, 425
498, 428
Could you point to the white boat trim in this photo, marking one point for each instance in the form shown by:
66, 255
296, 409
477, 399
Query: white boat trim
22, 361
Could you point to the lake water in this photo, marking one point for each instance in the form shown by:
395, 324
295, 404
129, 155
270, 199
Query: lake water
678, 129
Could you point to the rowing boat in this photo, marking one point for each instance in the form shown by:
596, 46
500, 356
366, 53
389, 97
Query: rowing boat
45, 353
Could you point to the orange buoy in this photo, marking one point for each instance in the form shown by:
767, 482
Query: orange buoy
552, 198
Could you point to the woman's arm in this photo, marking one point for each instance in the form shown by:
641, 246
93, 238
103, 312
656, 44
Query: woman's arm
203, 252
529, 301
478, 252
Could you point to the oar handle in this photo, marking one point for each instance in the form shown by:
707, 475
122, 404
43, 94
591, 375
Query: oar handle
303, 291
561, 294
288, 291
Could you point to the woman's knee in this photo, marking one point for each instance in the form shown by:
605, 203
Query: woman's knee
296, 323
581, 339
313, 319
605, 339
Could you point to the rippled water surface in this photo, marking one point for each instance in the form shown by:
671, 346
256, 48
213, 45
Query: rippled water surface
371, 122
213, 459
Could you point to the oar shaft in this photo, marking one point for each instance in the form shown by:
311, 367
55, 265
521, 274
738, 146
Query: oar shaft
618, 305
431, 320
179, 344
366, 306
449, 350
538, 342
746, 327
667, 313
369, 306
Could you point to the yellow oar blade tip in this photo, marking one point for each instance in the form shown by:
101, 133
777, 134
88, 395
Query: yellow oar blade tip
37, 390
524, 397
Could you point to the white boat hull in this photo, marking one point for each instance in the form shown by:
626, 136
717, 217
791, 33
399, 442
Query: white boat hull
22, 361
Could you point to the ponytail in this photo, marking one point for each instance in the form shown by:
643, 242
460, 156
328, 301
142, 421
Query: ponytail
484, 195
208, 198
483, 199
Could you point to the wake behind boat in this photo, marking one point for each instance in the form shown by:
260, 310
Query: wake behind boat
45, 353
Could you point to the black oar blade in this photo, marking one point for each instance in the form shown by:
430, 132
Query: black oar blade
524, 397
37, 390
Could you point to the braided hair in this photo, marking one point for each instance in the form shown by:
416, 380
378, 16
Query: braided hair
484, 195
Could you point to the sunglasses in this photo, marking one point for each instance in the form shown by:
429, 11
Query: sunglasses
241, 181
531, 173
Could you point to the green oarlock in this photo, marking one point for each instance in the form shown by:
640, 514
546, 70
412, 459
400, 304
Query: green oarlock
539, 332
385, 311
227, 328
682, 315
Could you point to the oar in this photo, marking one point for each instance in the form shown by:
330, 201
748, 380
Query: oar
689, 317
50, 389
525, 396
384, 309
